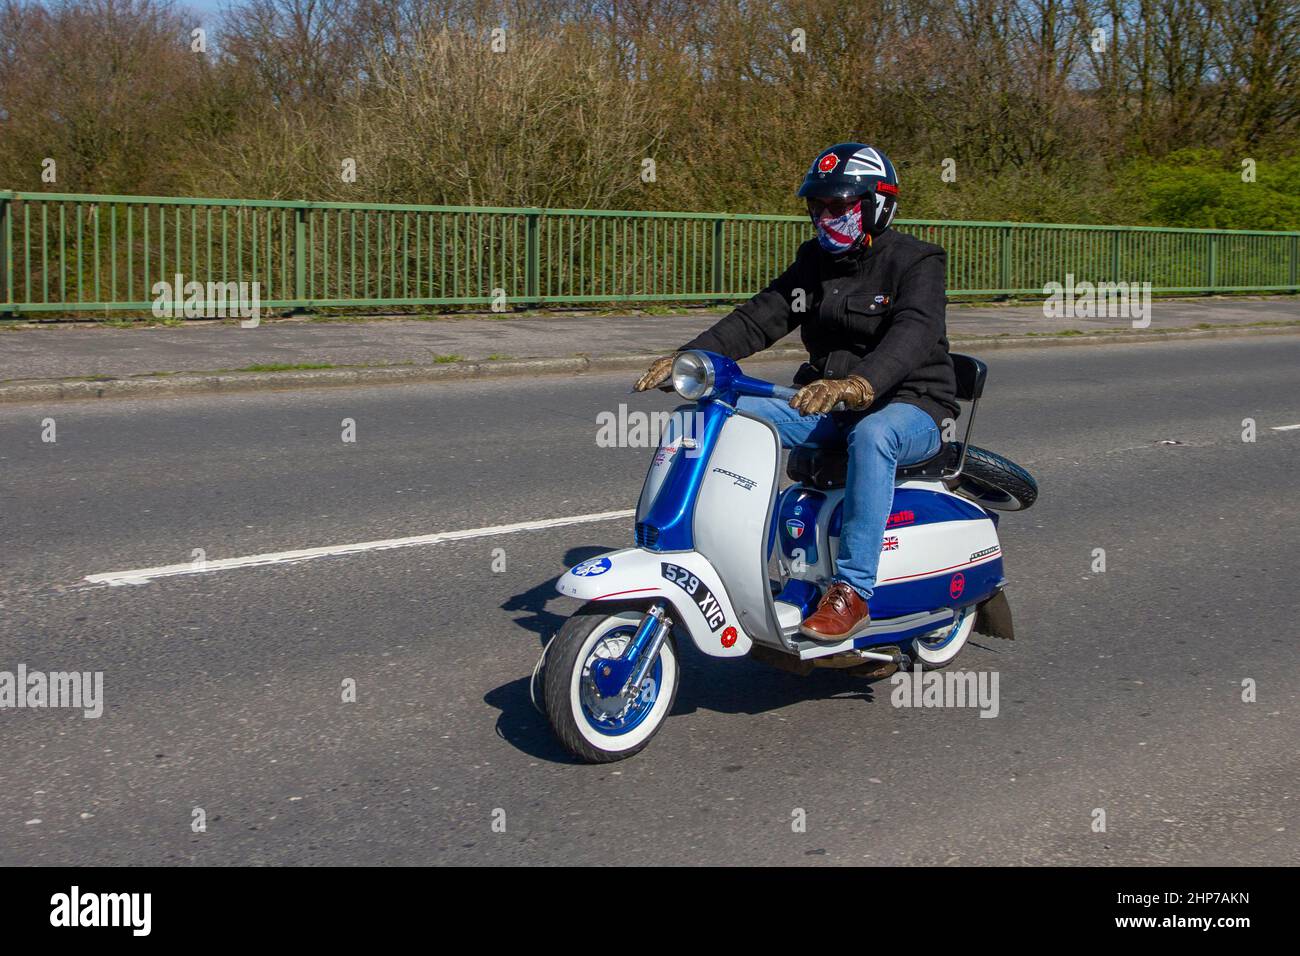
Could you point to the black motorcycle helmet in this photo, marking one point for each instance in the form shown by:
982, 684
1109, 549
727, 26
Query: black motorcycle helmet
855, 169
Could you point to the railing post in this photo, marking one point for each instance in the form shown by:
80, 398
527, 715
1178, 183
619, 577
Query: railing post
1295, 263
1004, 263
1114, 256
300, 255
1214, 262
7, 255
532, 256
717, 255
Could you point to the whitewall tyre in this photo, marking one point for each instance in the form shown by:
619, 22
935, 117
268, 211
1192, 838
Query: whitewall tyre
941, 647
588, 728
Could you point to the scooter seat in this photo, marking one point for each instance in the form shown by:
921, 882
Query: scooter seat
825, 468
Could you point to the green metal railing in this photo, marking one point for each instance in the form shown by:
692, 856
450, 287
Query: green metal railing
76, 253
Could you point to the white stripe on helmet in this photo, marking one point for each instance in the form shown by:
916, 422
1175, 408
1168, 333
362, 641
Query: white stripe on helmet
865, 162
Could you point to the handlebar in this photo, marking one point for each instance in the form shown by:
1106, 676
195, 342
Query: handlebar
721, 375
786, 393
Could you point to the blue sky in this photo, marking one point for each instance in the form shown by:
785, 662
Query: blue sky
204, 7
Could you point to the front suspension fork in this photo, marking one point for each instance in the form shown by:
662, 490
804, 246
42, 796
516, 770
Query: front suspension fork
657, 625
615, 677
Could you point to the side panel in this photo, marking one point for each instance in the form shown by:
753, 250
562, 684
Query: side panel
958, 586
683, 578
939, 550
732, 514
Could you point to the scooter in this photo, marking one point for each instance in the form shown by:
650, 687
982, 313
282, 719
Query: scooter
710, 518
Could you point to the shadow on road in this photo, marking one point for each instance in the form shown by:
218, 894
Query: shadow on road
521, 725
533, 602
745, 686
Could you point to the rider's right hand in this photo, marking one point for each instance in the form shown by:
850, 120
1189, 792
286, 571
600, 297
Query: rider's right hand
659, 372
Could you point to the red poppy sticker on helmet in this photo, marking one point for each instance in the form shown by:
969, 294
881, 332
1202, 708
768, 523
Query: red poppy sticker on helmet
827, 163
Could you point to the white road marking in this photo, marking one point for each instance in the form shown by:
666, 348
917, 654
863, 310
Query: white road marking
145, 575
1285, 428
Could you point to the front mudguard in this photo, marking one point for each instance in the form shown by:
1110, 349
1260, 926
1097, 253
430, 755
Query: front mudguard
686, 580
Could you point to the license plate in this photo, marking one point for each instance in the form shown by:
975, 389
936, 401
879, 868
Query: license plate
698, 591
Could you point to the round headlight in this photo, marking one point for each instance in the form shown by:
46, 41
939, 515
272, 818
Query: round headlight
692, 375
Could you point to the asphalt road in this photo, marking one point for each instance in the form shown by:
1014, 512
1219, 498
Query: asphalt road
223, 689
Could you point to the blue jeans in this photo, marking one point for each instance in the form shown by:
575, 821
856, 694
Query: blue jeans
898, 434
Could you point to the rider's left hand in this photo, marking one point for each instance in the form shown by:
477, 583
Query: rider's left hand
821, 396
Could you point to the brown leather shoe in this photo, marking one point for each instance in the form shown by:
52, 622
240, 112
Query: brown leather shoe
841, 614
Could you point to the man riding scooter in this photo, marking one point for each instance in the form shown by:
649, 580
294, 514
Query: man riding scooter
869, 303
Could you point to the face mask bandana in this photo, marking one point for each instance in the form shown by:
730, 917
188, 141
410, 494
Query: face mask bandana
838, 234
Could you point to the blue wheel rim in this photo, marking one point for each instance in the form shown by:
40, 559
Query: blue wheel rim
948, 638
640, 708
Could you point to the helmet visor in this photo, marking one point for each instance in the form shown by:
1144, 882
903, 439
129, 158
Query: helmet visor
830, 189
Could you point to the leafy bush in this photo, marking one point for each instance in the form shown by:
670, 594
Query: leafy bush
1204, 189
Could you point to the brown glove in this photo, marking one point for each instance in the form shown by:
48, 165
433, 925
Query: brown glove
658, 373
821, 396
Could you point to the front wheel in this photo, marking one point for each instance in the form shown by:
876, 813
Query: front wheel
591, 727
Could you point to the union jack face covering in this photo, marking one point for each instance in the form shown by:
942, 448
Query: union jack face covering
838, 229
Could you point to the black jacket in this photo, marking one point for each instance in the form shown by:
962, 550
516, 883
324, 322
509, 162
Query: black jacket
878, 313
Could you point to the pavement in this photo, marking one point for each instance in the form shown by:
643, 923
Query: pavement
40, 362
224, 690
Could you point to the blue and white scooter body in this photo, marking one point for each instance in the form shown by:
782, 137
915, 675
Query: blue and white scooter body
708, 523
709, 516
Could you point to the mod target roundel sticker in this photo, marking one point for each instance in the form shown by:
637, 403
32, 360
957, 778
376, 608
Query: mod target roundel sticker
957, 585
591, 568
